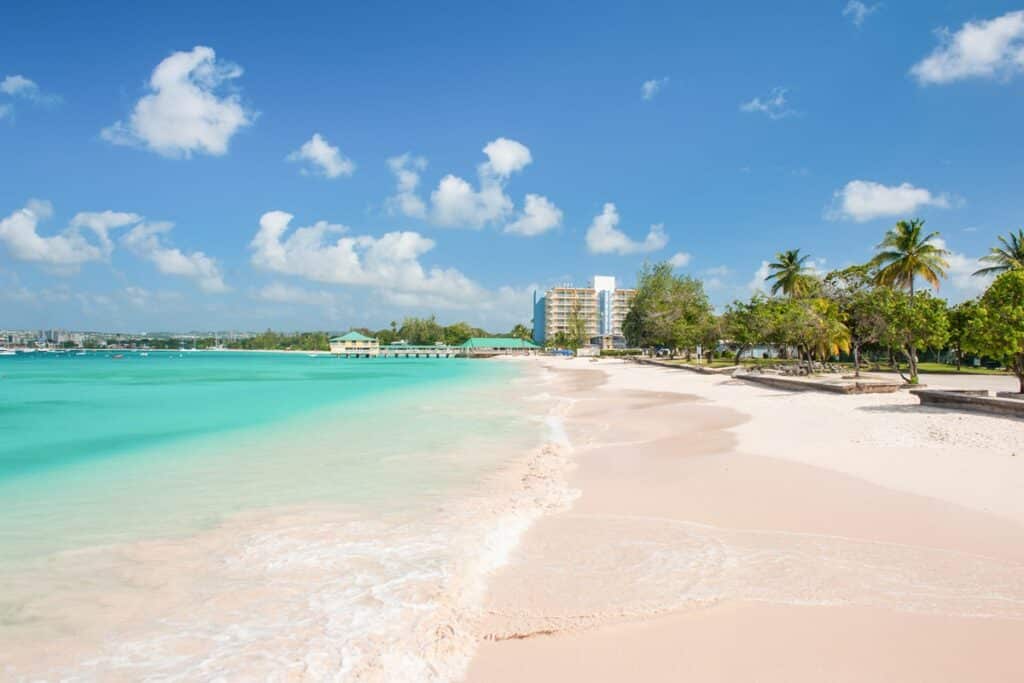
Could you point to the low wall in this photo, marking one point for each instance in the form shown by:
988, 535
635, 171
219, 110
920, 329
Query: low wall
974, 401
794, 384
701, 369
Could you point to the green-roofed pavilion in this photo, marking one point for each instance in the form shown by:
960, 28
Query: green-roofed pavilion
352, 336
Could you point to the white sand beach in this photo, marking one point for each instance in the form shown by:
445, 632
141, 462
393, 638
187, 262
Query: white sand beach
726, 531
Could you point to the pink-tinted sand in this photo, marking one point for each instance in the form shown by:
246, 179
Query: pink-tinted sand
722, 533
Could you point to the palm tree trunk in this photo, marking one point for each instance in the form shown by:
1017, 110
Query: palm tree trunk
856, 360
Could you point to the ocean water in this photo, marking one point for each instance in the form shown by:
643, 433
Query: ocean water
211, 514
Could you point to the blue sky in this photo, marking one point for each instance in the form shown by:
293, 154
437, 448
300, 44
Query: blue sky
151, 156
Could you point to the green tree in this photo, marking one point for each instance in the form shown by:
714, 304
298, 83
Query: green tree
997, 328
905, 254
860, 303
668, 310
1009, 256
576, 332
913, 321
421, 330
457, 333
748, 323
814, 326
521, 331
960, 317
790, 274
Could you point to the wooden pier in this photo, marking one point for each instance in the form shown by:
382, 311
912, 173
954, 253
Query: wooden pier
408, 351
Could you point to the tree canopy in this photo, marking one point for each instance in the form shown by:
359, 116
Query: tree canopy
997, 327
668, 310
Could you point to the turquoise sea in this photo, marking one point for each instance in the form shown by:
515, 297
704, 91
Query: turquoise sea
114, 471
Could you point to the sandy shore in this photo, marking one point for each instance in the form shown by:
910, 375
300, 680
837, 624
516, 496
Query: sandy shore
731, 532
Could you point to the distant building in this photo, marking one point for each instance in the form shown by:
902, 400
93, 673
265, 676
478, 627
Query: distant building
602, 307
354, 344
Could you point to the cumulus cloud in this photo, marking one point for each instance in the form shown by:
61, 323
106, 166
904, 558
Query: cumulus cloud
857, 11
864, 200
960, 273
68, 250
280, 292
147, 240
992, 48
680, 259
775, 106
757, 283
185, 112
538, 216
649, 89
407, 170
458, 203
324, 158
17, 86
604, 237
389, 262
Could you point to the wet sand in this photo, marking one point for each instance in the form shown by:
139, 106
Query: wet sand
726, 532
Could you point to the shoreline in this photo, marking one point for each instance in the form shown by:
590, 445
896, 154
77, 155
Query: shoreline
751, 511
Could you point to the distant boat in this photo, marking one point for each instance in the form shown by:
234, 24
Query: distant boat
144, 353
117, 355
6, 352
80, 353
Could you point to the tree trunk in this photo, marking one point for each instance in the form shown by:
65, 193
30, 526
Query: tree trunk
739, 353
959, 360
1019, 369
856, 360
910, 351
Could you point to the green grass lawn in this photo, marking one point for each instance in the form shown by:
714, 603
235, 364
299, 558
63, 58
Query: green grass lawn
937, 368
943, 369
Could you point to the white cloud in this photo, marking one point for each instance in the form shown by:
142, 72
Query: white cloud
858, 11
603, 237
407, 169
102, 222
757, 283
184, 113
66, 251
775, 106
327, 159
280, 292
146, 240
505, 157
457, 203
992, 48
864, 200
18, 86
960, 273
538, 216
680, 259
651, 88
389, 262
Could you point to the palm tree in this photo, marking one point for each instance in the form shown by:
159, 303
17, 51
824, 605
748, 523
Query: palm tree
1008, 257
790, 274
905, 254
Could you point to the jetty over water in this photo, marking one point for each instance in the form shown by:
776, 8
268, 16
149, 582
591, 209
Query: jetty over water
355, 345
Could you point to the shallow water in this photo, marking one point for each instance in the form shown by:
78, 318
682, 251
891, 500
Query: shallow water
218, 514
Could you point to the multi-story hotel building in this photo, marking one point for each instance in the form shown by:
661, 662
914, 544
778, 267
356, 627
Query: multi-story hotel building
601, 306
